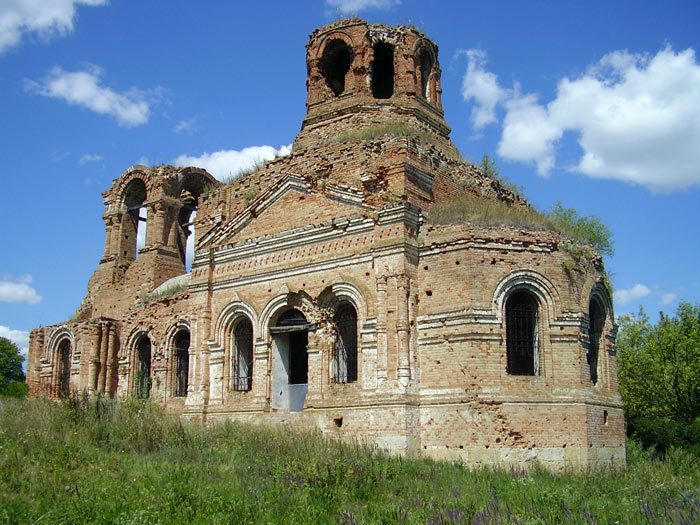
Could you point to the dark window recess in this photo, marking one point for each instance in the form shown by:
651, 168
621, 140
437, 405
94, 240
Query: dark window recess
595, 330
143, 379
298, 358
243, 357
182, 362
64, 359
345, 349
521, 333
335, 64
426, 65
383, 71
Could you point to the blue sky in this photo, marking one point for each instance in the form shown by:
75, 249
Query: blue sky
595, 104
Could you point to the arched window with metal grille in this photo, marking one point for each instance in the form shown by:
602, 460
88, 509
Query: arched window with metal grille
243, 356
522, 333
345, 349
182, 362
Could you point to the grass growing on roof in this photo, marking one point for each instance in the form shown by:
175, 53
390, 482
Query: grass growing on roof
587, 230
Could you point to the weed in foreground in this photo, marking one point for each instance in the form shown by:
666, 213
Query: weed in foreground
96, 460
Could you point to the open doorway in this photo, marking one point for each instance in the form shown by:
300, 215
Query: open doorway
290, 337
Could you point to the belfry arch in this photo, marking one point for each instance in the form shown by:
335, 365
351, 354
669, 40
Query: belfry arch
134, 219
335, 64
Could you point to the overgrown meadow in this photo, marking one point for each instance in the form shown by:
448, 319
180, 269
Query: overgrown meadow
101, 461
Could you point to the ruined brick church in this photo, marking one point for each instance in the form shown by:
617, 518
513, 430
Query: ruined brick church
325, 292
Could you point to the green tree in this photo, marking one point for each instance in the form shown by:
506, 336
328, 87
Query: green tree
659, 374
588, 229
488, 167
11, 374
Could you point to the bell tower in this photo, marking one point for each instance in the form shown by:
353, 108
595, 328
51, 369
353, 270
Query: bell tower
361, 75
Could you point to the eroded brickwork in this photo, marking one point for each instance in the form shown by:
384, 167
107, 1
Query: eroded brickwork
466, 342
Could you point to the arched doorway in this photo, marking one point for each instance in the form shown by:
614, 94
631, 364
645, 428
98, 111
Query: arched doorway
64, 362
290, 337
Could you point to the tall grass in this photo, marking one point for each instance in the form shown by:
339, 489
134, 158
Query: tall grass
100, 461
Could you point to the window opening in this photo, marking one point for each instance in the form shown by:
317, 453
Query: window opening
143, 379
64, 359
595, 330
185, 238
426, 65
182, 362
383, 71
345, 349
243, 357
335, 64
522, 334
134, 227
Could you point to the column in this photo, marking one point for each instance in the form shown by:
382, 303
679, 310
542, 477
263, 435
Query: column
403, 328
381, 328
111, 385
95, 342
104, 350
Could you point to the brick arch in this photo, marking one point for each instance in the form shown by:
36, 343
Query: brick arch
55, 340
344, 292
126, 178
229, 316
196, 180
322, 42
536, 283
171, 333
279, 304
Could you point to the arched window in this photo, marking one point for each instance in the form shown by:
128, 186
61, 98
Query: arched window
383, 70
345, 349
522, 337
243, 355
182, 362
64, 359
143, 373
335, 63
596, 319
134, 222
426, 66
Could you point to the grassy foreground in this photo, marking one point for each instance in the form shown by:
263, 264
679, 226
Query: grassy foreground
129, 463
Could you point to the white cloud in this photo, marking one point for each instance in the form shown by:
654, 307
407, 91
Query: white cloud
185, 126
82, 88
19, 337
631, 294
46, 17
482, 87
528, 134
355, 6
227, 163
19, 292
637, 118
89, 158
668, 298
